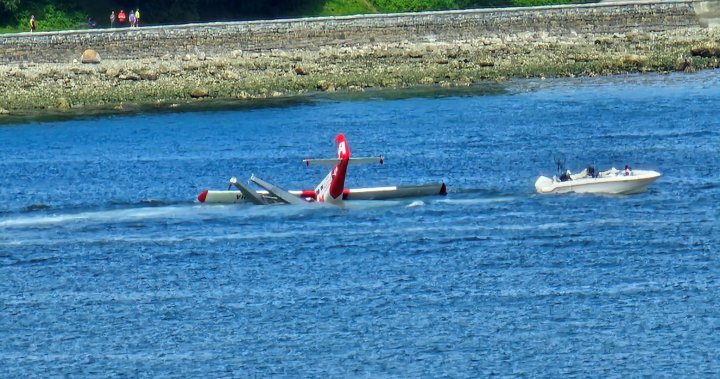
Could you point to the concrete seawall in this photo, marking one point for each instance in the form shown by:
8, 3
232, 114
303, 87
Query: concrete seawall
314, 33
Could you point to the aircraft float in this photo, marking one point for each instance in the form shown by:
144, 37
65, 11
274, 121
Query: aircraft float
331, 190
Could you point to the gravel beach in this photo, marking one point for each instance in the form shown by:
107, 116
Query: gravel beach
114, 85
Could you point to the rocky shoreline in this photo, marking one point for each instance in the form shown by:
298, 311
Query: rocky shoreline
116, 85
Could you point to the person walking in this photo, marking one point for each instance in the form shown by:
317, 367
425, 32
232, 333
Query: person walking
121, 17
33, 26
112, 19
137, 17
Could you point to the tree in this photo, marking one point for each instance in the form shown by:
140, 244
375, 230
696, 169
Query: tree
10, 5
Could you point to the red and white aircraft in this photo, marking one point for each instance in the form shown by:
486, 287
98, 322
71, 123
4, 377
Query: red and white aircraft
331, 190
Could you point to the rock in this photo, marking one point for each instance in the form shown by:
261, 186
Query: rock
129, 76
606, 41
62, 103
685, 65
4, 111
230, 75
199, 92
279, 54
112, 73
300, 70
242, 95
148, 75
427, 80
324, 85
415, 53
707, 51
90, 56
633, 59
201, 56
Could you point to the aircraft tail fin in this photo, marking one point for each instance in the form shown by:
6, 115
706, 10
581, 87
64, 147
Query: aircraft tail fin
331, 188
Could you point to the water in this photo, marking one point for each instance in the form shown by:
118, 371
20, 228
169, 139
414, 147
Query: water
109, 266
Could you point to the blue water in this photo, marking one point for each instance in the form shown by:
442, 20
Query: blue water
110, 267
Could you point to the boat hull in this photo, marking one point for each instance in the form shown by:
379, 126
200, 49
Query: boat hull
638, 182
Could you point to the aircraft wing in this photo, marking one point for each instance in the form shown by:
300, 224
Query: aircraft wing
352, 161
247, 193
278, 192
395, 192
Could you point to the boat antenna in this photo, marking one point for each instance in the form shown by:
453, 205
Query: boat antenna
560, 164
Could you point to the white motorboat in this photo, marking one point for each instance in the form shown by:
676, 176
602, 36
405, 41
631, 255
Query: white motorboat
611, 182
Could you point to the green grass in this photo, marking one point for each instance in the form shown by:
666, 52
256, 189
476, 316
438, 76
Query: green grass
414, 5
48, 18
8, 29
54, 15
346, 7
532, 3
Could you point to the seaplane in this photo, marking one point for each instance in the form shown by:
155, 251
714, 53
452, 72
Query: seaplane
331, 189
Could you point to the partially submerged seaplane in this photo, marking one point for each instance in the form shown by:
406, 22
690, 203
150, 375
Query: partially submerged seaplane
331, 190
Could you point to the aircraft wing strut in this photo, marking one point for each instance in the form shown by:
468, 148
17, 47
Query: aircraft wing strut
247, 193
280, 193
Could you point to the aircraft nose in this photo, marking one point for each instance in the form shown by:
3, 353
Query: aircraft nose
202, 196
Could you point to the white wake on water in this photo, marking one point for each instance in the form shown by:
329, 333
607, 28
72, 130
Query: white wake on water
416, 203
104, 216
475, 201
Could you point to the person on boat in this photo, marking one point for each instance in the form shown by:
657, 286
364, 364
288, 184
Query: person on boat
566, 176
591, 171
628, 170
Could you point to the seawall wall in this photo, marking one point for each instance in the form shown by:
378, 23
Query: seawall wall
314, 33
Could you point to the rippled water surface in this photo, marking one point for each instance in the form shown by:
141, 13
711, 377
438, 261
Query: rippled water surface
109, 266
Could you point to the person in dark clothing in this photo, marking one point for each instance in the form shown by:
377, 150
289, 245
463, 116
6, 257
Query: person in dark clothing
565, 176
591, 171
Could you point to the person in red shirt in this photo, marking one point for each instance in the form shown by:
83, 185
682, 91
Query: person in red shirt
121, 16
